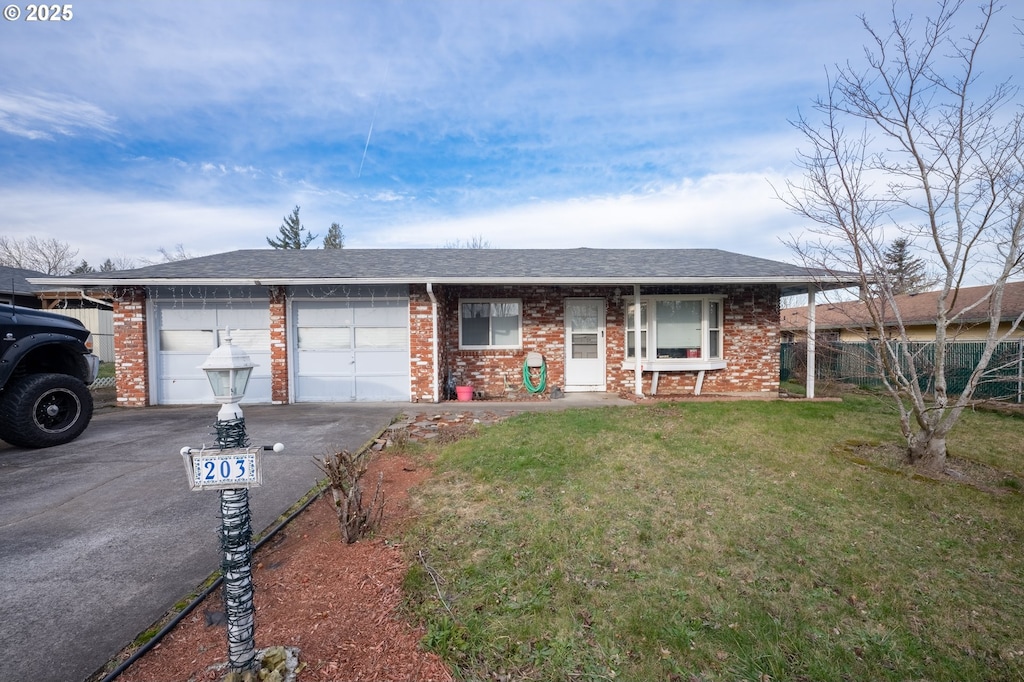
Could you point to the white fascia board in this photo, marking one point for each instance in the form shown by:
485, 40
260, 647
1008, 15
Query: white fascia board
608, 281
64, 283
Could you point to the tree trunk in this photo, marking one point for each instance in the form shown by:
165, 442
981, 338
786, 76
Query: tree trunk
927, 451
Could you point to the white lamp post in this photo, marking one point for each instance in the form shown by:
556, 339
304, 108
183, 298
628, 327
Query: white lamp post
228, 369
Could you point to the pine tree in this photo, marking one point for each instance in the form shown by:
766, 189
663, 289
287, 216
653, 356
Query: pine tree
290, 234
334, 239
907, 273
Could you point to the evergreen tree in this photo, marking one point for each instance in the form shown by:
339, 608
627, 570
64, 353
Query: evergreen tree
83, 268
334, 239
290, 234
907, 274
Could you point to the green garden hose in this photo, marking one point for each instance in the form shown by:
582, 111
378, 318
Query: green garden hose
528, 380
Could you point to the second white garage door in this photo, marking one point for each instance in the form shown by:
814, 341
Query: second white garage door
351, 350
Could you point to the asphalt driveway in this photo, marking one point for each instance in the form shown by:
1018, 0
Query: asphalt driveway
100, 537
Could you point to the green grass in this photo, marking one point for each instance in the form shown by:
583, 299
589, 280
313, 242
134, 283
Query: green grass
717, 541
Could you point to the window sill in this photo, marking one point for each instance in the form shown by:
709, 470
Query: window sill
676, 365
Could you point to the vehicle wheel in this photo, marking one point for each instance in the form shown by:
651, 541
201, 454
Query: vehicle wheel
42, 410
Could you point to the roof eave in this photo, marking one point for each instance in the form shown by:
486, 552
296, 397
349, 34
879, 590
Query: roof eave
784, 282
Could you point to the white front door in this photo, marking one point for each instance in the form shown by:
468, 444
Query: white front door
584, 344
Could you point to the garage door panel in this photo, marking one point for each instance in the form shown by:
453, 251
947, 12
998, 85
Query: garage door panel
184, 391
380, 362
351, 350
176, 317
188, 334
183, 365
254, 340
320, 316
326, 364
386, 388
326, 389
386, 314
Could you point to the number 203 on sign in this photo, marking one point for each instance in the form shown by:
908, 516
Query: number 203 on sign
219, 469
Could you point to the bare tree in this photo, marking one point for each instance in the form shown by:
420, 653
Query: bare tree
166, 256
476, 242
51, 256
906, 146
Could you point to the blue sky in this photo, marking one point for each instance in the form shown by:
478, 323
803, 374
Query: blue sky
137, 126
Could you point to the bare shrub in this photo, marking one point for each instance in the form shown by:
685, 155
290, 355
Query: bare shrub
344, 473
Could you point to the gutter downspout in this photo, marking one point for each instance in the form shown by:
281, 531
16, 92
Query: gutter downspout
433, 341
638, 367
97, 301
811, 333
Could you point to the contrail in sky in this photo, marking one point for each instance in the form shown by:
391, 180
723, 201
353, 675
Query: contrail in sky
387, 70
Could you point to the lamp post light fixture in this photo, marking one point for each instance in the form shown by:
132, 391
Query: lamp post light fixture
228, 369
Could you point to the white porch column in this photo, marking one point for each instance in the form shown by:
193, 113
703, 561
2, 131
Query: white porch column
638, 367
434, 343
811, 332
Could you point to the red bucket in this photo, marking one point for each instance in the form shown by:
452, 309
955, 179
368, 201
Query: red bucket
464, 393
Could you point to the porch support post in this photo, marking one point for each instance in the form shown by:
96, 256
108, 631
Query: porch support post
638, 368
435, 361
811, 333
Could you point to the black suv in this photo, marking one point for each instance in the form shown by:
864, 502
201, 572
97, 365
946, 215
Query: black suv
45, 372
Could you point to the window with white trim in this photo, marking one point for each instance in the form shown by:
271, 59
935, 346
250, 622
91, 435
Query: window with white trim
676, 329
490, 323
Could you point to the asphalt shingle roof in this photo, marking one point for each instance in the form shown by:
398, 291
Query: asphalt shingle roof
15, 280
468, 265
915, 309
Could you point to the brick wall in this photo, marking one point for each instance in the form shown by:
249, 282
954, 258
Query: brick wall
278, 345
421, 346
750, 337
131, 359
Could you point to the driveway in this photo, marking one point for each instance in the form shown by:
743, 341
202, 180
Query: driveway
100, 537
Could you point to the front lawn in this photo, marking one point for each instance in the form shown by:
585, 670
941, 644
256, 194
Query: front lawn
719, 541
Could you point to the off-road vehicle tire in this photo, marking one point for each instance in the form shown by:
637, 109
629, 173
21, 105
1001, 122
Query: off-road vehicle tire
42, 410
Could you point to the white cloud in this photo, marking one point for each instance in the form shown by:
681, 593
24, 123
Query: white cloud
734, 212
45, 116
103, 226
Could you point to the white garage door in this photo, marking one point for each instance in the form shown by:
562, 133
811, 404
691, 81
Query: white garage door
351, 350
186, 333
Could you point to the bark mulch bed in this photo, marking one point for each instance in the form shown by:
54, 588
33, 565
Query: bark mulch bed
340, 605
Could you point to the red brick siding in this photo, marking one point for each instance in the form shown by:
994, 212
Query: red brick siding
750, 336
131, 359
422, 377
278, 345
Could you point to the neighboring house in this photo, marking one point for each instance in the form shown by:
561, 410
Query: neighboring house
93, 312
850, 322
15, 287
341, 325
